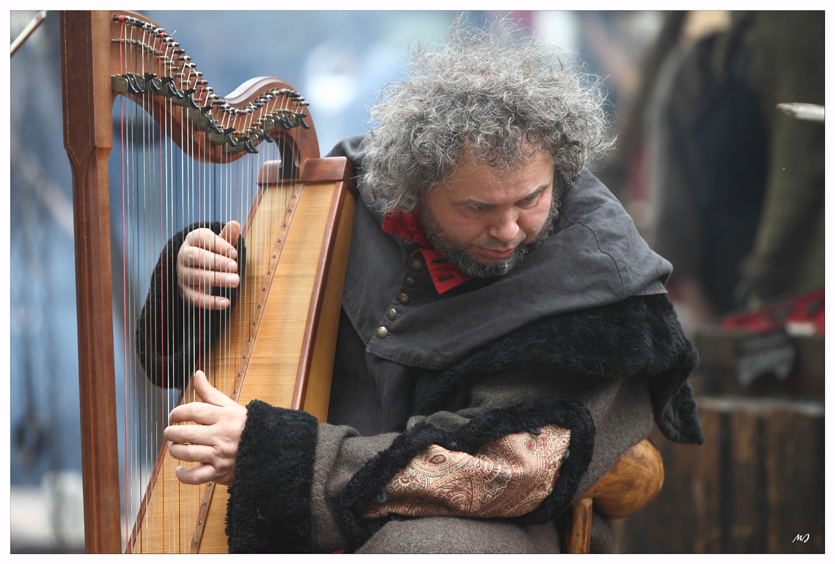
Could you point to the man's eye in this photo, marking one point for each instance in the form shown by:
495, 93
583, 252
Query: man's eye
478, 207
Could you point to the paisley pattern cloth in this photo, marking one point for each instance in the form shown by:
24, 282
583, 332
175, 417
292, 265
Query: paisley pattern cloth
506, 478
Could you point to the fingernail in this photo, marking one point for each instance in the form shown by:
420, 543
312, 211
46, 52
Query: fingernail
233, 254
232, 281
232, 266
223, 302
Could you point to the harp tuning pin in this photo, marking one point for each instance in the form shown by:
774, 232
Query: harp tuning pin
133, 85
250, 148
285, 122
214, 127
150, 83
173, 92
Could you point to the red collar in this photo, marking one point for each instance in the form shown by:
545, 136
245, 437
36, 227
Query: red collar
445, 274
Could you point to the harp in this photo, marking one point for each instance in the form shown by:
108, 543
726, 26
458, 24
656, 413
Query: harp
251, 156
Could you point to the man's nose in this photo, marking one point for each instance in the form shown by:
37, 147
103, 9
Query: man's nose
505, 227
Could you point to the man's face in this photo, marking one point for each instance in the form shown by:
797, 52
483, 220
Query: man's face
486, 220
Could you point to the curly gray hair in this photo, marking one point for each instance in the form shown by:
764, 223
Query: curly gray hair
501, 94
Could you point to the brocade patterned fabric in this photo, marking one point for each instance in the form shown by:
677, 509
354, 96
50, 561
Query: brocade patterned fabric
506, 478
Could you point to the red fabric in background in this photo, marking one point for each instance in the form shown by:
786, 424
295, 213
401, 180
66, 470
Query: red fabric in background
806, 310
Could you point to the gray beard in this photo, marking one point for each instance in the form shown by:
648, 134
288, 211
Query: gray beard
458, 255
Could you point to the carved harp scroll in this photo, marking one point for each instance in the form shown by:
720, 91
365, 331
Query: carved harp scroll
277, 344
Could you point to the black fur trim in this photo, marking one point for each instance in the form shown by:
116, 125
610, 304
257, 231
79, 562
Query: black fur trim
269, 501
170, 333
640, 335
367, 484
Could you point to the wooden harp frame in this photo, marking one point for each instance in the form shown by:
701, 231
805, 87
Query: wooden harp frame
91, 82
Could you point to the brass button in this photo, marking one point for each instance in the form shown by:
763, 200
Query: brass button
382, 332
410, 282
417, 265
391, 314
403, 299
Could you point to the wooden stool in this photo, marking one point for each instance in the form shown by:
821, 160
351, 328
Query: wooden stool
630, 484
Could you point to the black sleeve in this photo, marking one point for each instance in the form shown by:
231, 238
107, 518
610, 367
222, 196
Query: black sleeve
171, 333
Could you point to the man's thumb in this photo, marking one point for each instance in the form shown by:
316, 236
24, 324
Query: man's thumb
205, 391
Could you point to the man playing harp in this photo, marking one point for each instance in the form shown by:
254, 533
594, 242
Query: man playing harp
505, 334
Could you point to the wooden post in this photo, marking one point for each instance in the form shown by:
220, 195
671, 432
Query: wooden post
88, 138
577, 534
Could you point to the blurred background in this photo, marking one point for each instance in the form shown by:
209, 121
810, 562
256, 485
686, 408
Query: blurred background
722, 183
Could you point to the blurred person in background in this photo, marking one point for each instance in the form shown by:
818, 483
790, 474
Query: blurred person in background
736, 187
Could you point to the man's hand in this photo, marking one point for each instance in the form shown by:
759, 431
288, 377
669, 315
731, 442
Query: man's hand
213, 439
206, 260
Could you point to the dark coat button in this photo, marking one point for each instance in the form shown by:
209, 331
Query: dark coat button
417, 265
403, 299
382, 332
391, 313
410, 282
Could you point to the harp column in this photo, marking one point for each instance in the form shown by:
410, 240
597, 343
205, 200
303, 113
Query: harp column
88, 138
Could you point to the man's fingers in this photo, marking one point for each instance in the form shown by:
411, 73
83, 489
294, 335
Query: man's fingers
213, 438
192, 256
206, 260
204, 301
231, 232
196, 411
199, 278
196, 475
192, 453
208, 240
